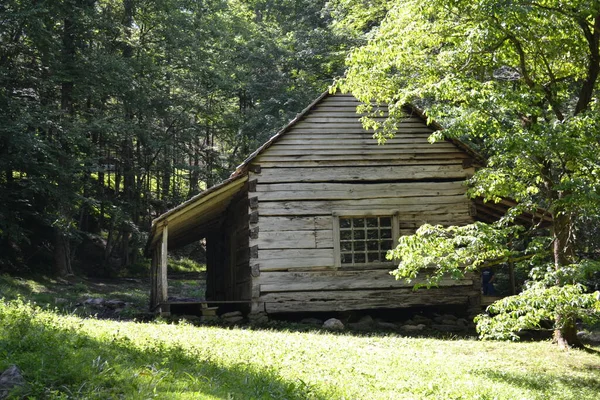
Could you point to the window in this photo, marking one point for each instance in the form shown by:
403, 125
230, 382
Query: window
364, 240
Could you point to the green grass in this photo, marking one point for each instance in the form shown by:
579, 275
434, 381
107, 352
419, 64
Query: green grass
71, 357
64, 296
184, 265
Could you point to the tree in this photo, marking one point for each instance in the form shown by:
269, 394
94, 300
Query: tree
519, 80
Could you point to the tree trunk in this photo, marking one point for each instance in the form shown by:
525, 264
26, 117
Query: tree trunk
565, 336
565, 333
62, 254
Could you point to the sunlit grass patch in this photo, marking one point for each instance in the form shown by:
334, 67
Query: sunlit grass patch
185, 265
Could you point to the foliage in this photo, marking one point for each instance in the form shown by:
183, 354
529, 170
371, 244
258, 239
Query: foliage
536, 304
452, 251
116, 110
71, 357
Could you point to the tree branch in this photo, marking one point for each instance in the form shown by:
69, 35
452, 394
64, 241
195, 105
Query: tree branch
593, 39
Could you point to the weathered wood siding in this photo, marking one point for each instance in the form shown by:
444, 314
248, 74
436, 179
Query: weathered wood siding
327, 163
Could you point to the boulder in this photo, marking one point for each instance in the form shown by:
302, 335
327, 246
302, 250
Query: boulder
462, 322
232, 314
333, 324
115, 304
9, 379
420, 319
413, 328
99, 302
387, 325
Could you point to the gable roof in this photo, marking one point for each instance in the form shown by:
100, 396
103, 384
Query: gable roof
408, 108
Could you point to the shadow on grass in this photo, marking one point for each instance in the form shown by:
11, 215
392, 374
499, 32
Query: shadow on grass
59, 360
542, 381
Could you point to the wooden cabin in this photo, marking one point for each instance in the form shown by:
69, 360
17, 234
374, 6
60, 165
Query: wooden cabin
304, 224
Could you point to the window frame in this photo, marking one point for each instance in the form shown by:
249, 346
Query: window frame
337, 256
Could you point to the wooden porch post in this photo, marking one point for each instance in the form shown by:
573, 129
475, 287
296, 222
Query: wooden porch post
162, 272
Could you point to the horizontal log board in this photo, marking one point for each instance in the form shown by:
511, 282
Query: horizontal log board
281, 224
347, 118
391, 294
405, 301
381, 158
364, 151
380, 173
340, 191
294, 240
308, 262
308, 123
441, 147
355, 131
364, 299
341, 280
367, 141
349, 162
292, 208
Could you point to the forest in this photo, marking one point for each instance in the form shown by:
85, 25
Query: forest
114, 111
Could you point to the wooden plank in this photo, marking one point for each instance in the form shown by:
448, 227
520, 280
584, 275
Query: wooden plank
340, 280
341, 191
307, 262
364, 299
287, 254
163, 294
294, 239
366, 141
383, 161
281, 224
349, 117
380, 173
370, 146
416, 205
356, 130
308, 124
383, 150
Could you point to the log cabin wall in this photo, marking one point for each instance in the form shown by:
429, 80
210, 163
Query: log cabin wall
326, 170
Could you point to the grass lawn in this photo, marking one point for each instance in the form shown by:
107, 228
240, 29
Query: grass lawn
69, 356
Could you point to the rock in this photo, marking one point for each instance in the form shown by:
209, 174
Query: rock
590, 337
364, 324
190, 318
462, 322
333, 324
446, 321
231, 314
366, 320
387, 325
99, 302
115, 304
60, 300
413, 328
311, 321
448, 328
233, 320
10, 379
420, 319
449, 317
258, 318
